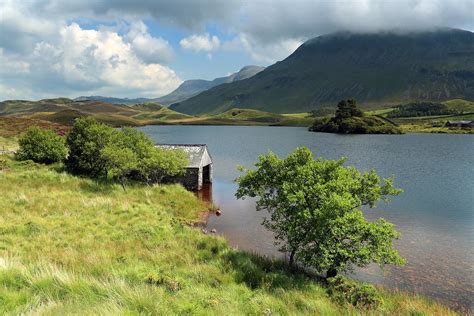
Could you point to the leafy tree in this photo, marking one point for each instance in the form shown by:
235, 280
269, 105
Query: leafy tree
86, 141
119, 162
347, 109
99, 150
314, 211
41, 145
161, 164
132, 155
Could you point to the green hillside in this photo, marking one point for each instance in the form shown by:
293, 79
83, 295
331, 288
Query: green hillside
155, 111
25, 108
267, 118
460, 105
65, 111
384, 68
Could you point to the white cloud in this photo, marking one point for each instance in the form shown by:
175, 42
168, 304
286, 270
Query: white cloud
267, 52
87, 61
150, 49
285, 19
198, 43
12, 64
20, 29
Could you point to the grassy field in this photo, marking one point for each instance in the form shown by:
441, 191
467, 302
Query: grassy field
70, 245
238, 116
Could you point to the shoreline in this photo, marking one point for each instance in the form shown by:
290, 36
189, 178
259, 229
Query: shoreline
150, 236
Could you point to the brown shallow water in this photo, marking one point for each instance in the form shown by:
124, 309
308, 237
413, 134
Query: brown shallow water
434, 214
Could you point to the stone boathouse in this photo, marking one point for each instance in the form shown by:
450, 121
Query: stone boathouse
199, 169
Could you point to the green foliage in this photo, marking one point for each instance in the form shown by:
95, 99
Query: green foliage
132, 155
358, 294
346, 109
102, 151
41, 145
314, 211
421, 109
86, 141
350, 120
119, 162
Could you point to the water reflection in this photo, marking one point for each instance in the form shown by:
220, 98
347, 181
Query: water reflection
205, 194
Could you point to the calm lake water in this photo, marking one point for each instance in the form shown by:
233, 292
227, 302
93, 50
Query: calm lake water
434, 214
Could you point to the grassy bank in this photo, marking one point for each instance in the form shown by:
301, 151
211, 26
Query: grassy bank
72, 245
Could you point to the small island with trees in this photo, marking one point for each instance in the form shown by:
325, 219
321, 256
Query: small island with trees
349, 119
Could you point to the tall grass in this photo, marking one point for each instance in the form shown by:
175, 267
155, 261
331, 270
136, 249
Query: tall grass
70, 245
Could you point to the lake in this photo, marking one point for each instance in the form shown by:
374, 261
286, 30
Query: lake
434, 213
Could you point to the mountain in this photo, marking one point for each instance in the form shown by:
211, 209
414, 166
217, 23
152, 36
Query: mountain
373, 68
190, 88
187, 89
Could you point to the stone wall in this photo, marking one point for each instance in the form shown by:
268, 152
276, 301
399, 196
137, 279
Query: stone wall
190, 180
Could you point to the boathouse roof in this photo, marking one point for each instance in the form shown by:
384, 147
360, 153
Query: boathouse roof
198, 154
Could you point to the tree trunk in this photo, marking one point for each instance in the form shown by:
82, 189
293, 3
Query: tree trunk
331, 273
292, 257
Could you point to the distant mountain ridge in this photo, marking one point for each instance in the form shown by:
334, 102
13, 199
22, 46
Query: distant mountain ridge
187, 89
190, 88
373, 68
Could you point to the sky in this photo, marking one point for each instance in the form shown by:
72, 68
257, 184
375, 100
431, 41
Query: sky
147, 48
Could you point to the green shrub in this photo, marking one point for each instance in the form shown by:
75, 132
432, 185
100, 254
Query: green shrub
99, 151
42, 146
358, 294
86, 141
132, 155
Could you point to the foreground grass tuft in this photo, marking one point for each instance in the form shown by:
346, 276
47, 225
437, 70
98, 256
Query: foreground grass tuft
71, 245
